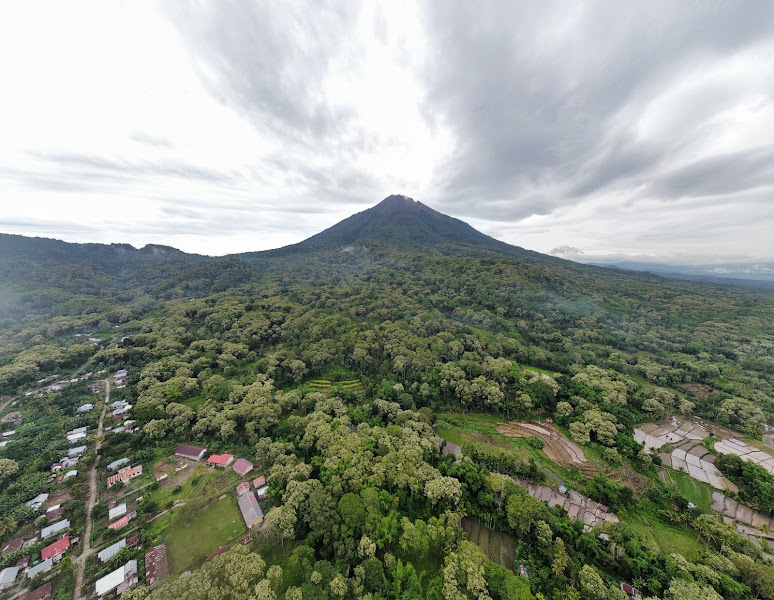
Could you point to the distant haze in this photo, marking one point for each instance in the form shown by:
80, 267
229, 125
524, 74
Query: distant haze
596, 131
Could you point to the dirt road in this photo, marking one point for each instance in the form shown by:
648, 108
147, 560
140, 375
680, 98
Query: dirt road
80, 561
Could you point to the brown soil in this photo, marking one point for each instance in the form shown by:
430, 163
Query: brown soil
702, 391
557, 447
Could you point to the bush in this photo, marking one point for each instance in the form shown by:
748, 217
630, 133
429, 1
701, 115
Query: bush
535, 442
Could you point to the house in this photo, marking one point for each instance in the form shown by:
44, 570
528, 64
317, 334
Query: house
56, 549
8, 577
133, 541
76, 437
262, 492
118, 511
129, 425
109, 552
117, 463
83, 429
41, 593
190, 452
124, 474
84, 408
70, 474
156, 566
122, 522
242, 466
77, 451
221, 460
54, 529
39, 568
122, 410
243, 488
23, 562
12, 546
7, 434
119, 580
251, 510
631, 591
259, 481
53, 515
95, 387
36, 502
3, 445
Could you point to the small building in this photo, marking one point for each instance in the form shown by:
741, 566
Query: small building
41, 593
122, 522
7, 434
83, 429
55, 514
156, 566
23, 562
109, 552
12, 546
55, 550
259, 481
221, 460
251, 510
70, 474
117, 511
262, 492
190, 452
133, 541
124, 474
117, 463
119, 580
8, 577
76, 437
243, 488
242, 466
77, 451
54, 529
84, 408
37, 501
41, 567
95, 387
122, 410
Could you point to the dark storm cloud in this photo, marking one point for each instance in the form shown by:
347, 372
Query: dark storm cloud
545, 96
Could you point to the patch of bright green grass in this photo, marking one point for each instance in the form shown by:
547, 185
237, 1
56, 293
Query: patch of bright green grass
669, 538
695, 491
190, 543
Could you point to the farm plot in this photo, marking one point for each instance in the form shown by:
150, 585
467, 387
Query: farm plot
557, 447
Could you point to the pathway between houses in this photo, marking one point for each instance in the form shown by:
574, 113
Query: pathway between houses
80, 561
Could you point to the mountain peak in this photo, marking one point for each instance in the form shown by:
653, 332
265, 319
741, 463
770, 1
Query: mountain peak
400, 223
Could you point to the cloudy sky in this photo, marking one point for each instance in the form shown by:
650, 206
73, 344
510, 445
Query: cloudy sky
616, 129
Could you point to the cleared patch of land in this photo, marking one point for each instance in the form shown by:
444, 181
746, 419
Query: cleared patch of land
557, 447
498, 547
354, 386
189, 544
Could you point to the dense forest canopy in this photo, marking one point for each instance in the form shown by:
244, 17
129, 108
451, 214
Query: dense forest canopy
430, 318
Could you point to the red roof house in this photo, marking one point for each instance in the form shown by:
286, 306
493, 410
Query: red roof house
12, 546
259, 481
243, 488
23, 561
242, 466
124, 474
122, 522
56, 549
221, 460
133, 541
54, 515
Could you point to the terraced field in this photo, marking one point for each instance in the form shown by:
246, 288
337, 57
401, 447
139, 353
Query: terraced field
354, 386
557, 447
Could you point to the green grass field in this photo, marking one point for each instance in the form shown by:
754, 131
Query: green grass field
189, 544
695, 491
355, 386
667, 537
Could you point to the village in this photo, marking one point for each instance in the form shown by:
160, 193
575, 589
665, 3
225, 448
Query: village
105, 516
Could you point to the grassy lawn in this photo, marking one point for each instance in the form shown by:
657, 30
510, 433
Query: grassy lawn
695, 491
190, 543
667, 537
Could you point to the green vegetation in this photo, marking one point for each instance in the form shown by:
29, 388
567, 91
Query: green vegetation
329, 368
189, 542
692, 490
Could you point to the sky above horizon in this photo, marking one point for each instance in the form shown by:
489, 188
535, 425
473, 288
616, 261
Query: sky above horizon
593, 131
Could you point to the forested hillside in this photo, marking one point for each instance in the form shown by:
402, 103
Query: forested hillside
334, 363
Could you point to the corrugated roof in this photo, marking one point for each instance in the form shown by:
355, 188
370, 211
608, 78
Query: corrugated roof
109, 552
56, 548
40, 568
242, 466
112, 580
251, 510
117, 511
55, 528
8, 575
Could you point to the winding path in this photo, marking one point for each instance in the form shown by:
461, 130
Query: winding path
80, 561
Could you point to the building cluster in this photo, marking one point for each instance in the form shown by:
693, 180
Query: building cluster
121, 413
